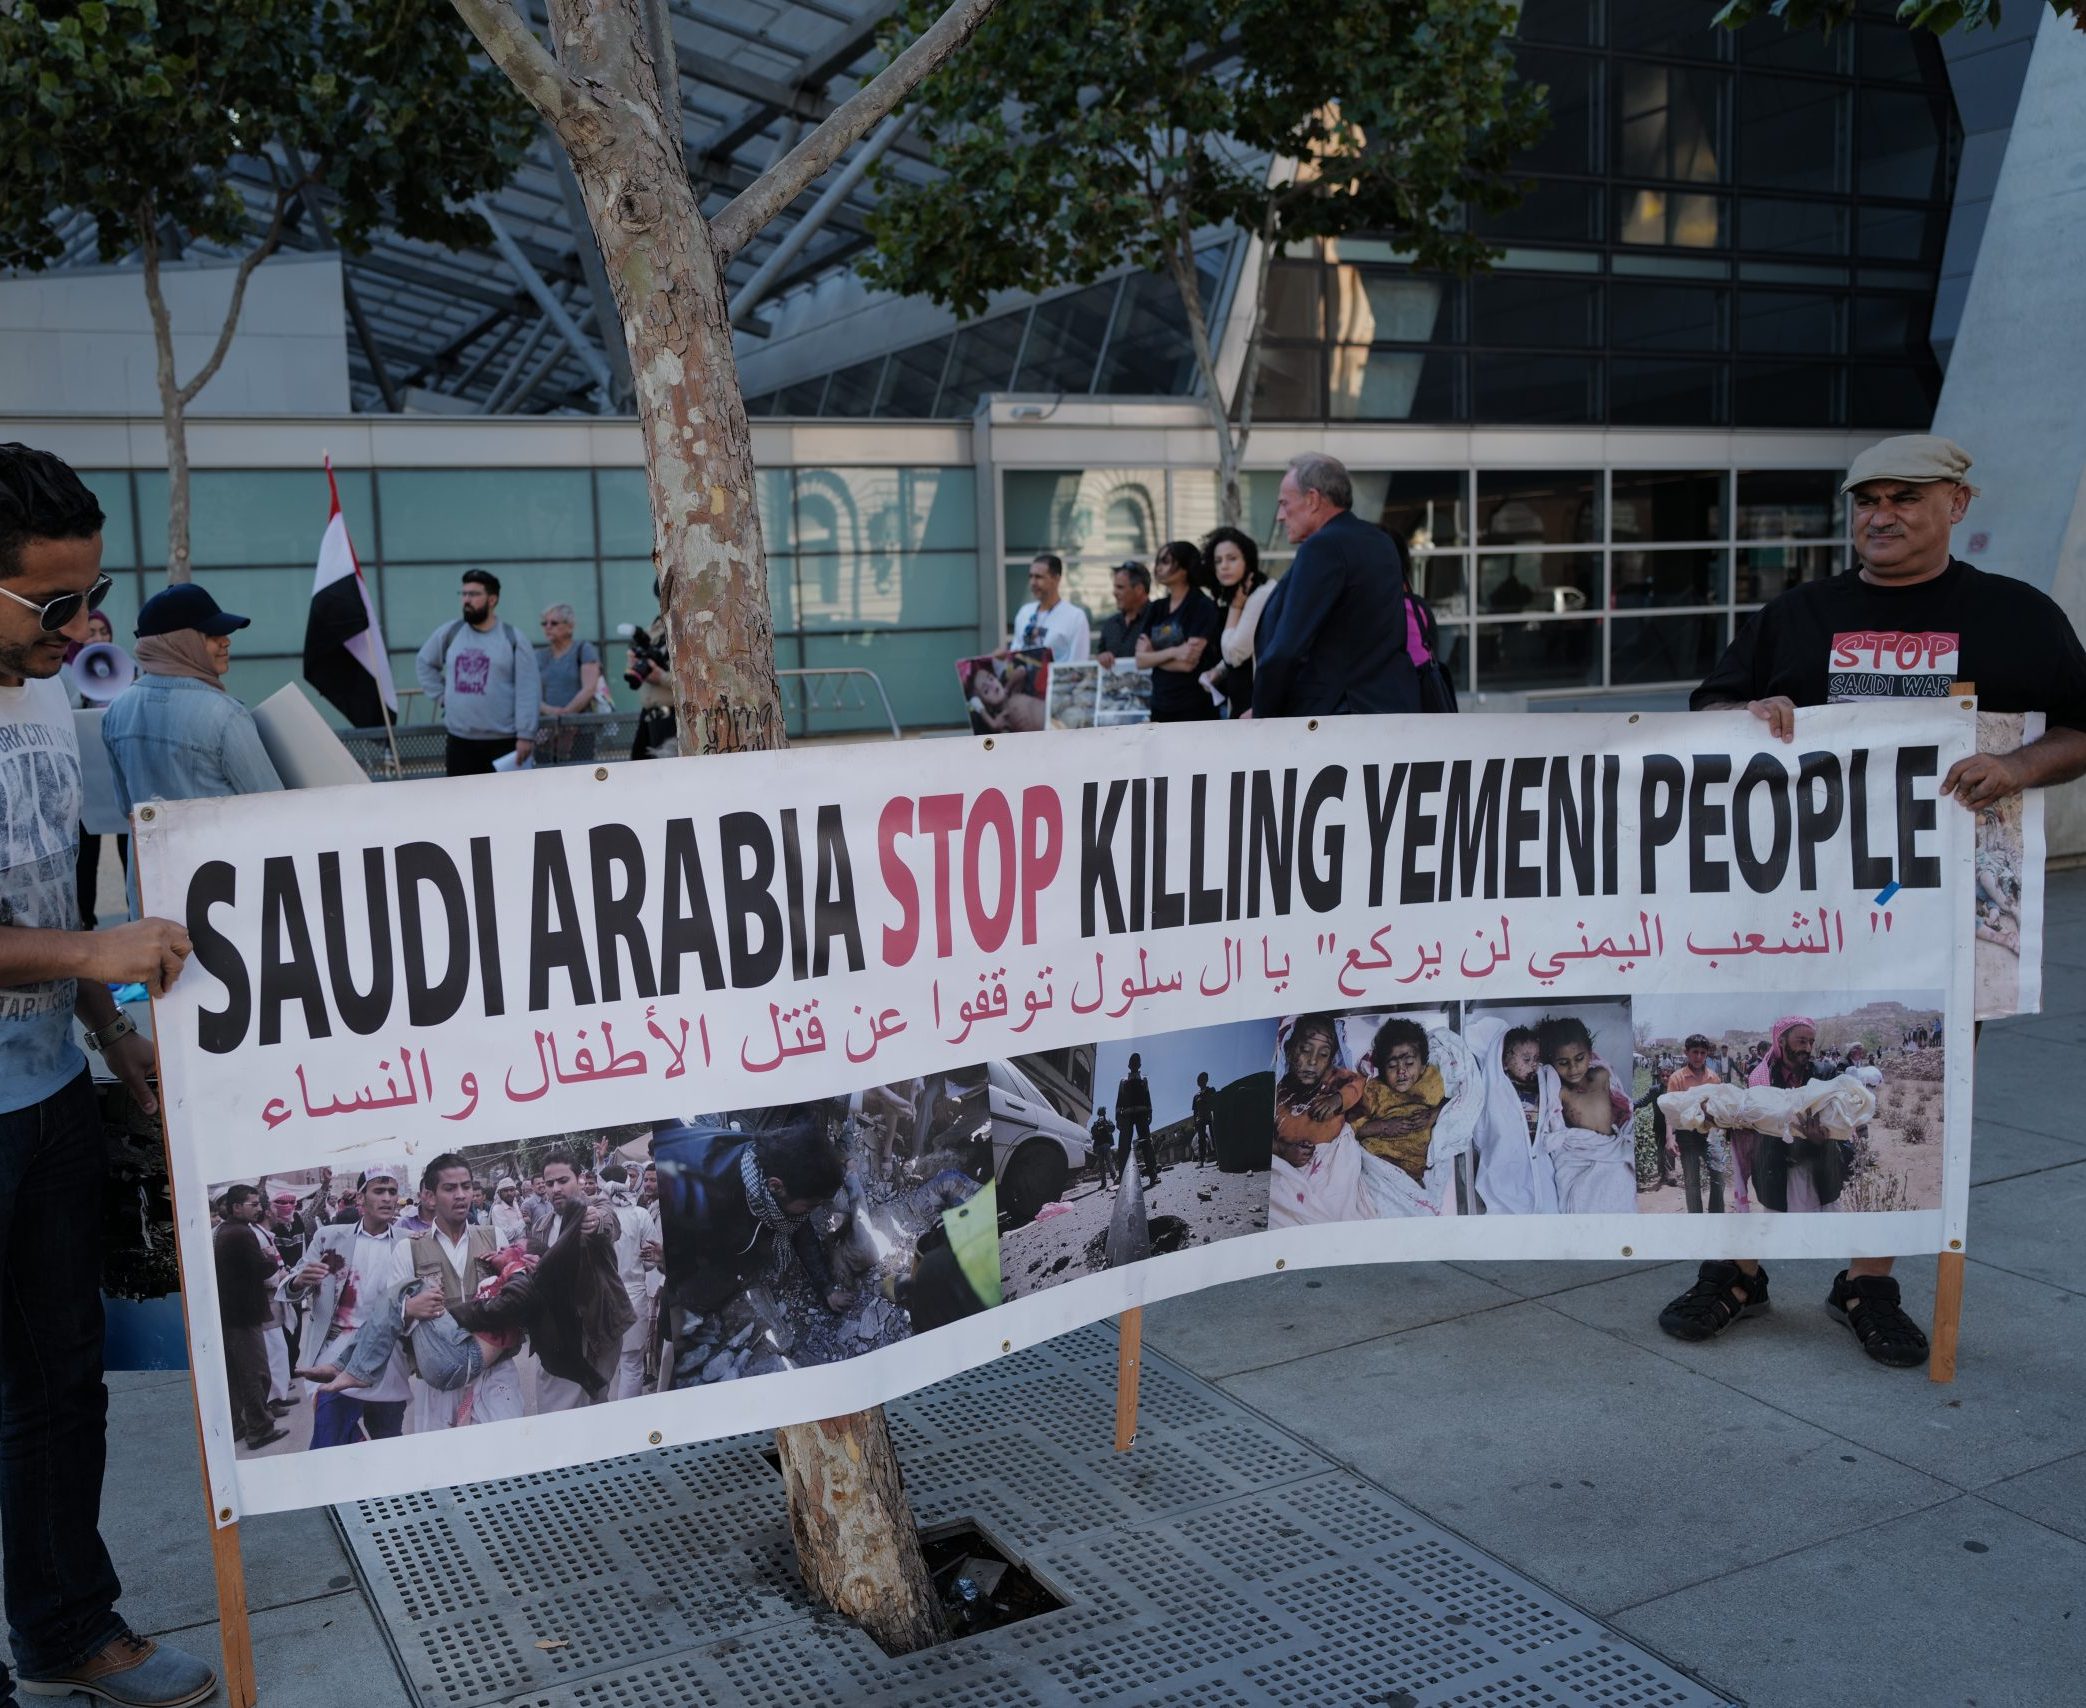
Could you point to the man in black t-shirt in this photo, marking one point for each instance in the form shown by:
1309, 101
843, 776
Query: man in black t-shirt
1907, 622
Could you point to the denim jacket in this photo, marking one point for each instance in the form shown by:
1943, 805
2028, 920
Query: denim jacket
171, 738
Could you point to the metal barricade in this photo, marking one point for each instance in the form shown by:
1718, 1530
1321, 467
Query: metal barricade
848, 700
589, 738
837, 691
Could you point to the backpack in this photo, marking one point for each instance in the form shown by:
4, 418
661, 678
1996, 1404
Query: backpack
1437, 688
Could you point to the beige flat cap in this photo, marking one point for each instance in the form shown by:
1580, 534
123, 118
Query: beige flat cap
1910, 456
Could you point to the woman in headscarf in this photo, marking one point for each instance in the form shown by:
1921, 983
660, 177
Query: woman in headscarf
174, 734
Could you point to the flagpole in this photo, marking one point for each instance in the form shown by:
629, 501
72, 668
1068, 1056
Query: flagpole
398, 765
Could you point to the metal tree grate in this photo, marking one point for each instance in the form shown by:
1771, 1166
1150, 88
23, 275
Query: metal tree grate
1221, 1564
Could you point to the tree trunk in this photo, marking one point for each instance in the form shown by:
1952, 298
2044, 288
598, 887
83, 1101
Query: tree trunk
856, 1544
172, 406
1180, 262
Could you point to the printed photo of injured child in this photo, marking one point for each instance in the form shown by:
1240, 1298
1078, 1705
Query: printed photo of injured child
1835, 1101
814, 1232
1373, 1116
1556, 1133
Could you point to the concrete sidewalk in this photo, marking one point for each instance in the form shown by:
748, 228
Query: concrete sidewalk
1771, 1511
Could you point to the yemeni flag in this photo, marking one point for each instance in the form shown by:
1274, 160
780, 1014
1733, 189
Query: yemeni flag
344, 655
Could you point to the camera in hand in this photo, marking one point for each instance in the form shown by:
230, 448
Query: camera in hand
647, 653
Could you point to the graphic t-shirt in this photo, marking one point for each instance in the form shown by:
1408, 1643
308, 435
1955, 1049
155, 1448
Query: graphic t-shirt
1177, 695
1826, 642
39, 834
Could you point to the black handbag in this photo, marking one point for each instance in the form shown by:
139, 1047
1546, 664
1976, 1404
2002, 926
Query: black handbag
1437, 690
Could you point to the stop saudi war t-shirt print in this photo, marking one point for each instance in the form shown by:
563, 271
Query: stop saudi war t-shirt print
1892, 664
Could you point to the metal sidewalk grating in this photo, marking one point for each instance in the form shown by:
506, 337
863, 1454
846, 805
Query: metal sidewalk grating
1222, 1564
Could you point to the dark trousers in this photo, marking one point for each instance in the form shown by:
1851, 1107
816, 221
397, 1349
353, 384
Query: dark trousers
337, 1420
54, 1411
246, 1372
87, 871
473, 756
1205, 1142
1694, 1164
1136, 1127
1105, 1155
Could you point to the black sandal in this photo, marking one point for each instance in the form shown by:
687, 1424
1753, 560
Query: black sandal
1708, 1307
1878, 1319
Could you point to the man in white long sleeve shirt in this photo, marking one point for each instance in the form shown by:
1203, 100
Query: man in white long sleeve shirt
633, 1229
1047, 619
349, 1269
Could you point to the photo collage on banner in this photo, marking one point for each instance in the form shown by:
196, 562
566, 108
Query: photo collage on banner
1696, 1104
598, 1266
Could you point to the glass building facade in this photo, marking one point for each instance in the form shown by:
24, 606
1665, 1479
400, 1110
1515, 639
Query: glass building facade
1722, 229
1123, 337
871, 566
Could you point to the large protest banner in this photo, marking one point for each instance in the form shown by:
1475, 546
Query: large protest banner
1367, 990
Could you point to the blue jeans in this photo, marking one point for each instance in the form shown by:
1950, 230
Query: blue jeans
335, 1419
61, 1586
445, 1356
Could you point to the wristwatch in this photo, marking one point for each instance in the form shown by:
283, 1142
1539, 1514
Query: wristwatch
100, 1039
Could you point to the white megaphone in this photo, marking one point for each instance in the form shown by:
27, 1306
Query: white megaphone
101, 671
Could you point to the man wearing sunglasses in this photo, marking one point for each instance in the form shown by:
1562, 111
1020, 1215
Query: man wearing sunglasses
61, 1588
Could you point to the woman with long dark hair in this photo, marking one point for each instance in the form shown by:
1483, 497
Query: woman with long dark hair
1181, 636
1242, 593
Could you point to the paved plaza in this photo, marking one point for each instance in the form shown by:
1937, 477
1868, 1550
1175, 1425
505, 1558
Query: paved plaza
1768, 1518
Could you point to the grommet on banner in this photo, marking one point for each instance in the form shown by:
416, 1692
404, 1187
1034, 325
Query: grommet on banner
601, 773
224, 1515
654, 1438
146, 815
1281, 1263
988, 744
1006, 1346
1955, 1245
1313, 724
1628, 1252
1634, 716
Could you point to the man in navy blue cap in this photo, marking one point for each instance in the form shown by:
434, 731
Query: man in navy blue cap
174, 734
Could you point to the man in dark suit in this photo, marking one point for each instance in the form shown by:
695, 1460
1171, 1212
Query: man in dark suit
1332, 639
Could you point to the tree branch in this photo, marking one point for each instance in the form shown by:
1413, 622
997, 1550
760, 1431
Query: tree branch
512, 46
254, 257
783, 182
156, 305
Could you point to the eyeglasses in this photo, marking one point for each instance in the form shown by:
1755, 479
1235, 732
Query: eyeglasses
53, 614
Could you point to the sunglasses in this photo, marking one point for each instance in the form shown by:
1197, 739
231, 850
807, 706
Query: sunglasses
54, 614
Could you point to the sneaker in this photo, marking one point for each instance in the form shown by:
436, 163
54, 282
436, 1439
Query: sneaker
134, 1671
1708, 1307
1869, 1306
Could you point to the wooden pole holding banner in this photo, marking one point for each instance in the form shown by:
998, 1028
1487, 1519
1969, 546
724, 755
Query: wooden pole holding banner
1129, 1361
234, 1629
1948, 1270
1948, 1316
